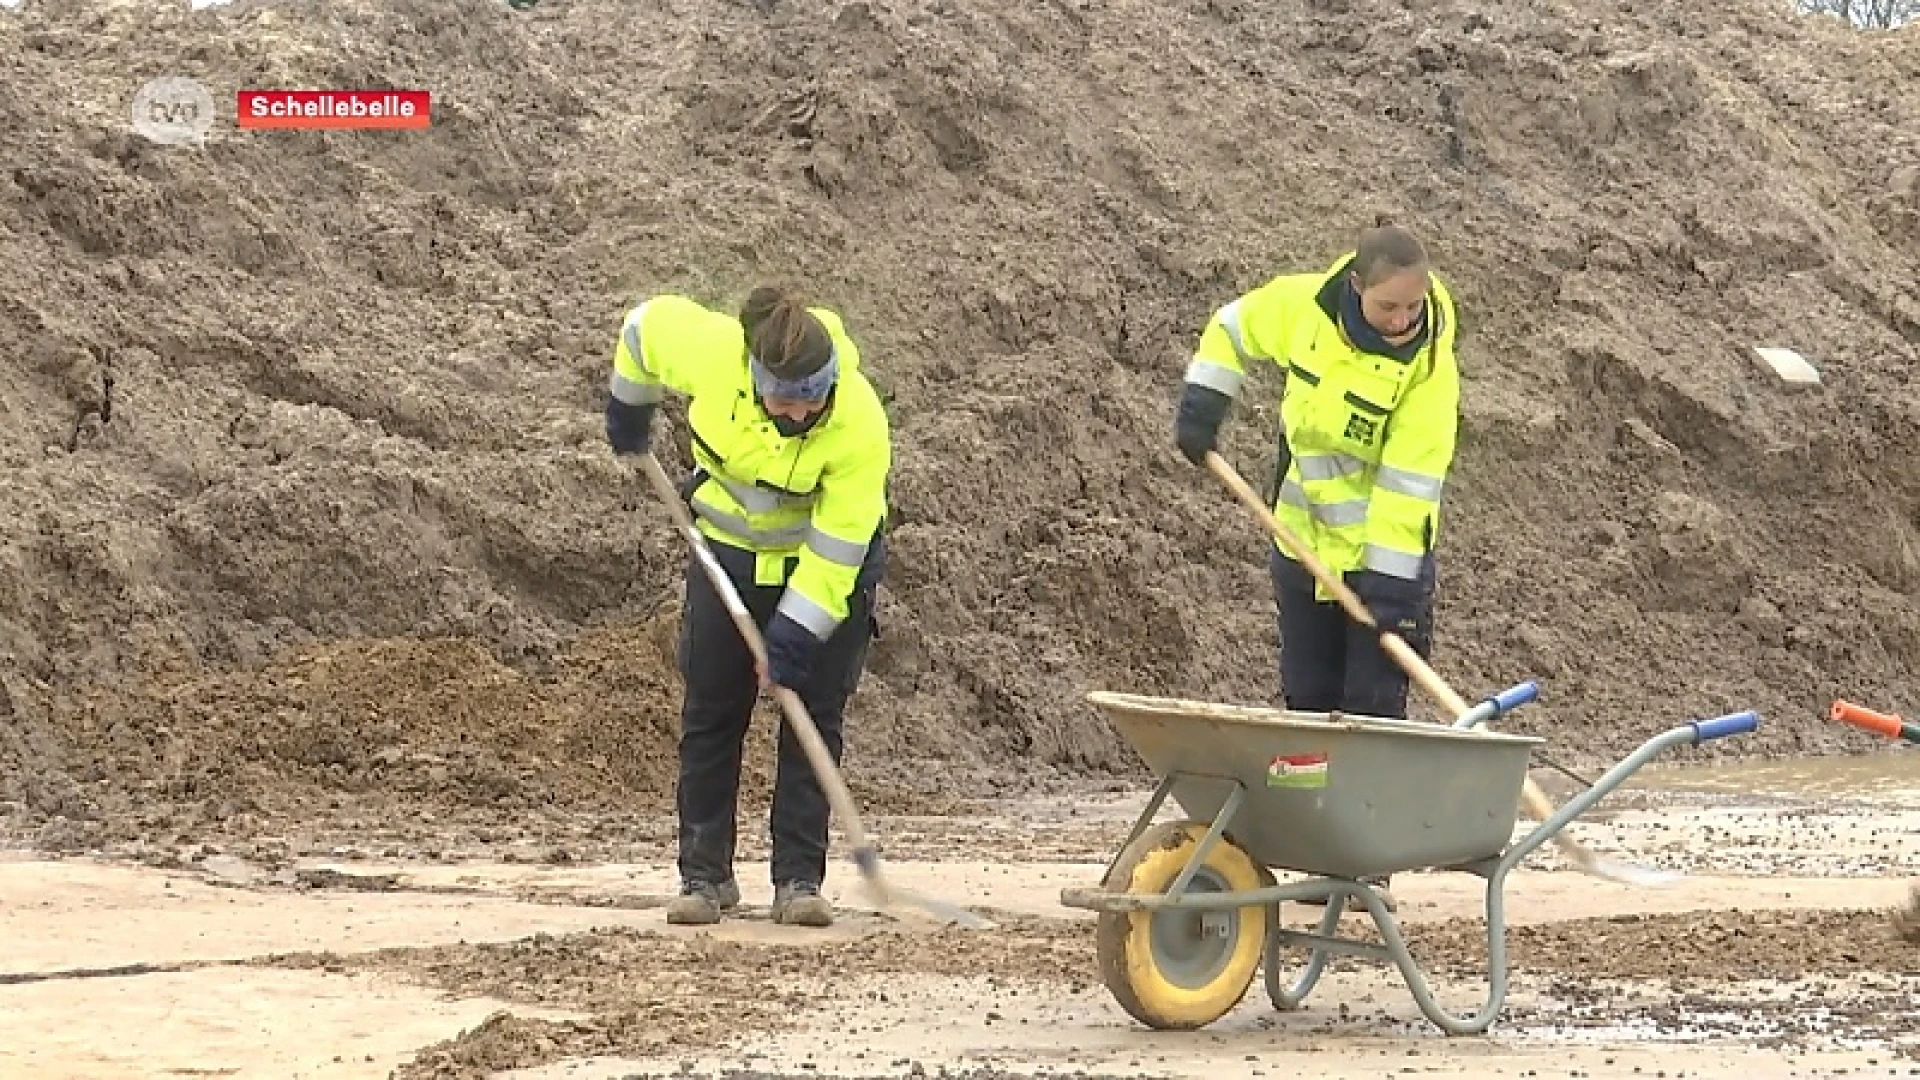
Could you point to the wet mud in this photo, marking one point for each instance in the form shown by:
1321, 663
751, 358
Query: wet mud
654, 994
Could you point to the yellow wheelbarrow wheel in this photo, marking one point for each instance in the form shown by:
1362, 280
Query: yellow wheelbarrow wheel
1177, 969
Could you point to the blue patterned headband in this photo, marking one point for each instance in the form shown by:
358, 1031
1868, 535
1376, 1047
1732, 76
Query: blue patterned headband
814, 387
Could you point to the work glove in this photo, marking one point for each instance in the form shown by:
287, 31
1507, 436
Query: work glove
629, 427
1196, 426
790, 651
1394, 602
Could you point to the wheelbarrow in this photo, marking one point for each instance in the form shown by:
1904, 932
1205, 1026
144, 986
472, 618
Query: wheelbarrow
1190, 909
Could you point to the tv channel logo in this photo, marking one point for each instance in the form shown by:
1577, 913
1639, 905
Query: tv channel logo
173, 111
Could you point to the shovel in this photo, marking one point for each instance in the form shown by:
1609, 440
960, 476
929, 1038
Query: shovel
866, 857
1430, 681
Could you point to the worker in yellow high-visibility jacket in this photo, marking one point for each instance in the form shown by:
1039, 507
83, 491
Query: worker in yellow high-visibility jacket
1369, 416
793, 449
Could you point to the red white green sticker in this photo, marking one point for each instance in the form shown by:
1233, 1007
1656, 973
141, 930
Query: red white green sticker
1298, 771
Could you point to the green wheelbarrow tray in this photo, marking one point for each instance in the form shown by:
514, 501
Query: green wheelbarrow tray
1189, 909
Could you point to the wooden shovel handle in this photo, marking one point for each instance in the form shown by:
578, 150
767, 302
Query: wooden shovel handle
838, 796
1393, 644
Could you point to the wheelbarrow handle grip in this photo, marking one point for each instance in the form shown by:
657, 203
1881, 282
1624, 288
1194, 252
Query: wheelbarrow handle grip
1515, 696
1720, 727
1886, 725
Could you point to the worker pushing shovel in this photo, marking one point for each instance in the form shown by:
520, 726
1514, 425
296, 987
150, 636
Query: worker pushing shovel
793, 450
1369, 417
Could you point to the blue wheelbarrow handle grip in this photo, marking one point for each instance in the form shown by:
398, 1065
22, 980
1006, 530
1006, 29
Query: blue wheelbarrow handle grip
1489, 707
1515, 696
1720, 727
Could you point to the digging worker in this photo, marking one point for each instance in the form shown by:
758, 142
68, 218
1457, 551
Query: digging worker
1368, 416
792, 449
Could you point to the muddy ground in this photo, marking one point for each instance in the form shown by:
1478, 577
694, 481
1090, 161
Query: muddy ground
1773, 956
312, 557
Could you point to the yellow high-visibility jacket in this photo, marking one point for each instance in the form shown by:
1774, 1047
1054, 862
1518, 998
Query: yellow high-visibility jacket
1371, 437
820, 496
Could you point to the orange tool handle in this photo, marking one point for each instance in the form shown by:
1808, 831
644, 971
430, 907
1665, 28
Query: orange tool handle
1886, 725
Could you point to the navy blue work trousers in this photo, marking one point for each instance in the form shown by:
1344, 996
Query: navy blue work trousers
1328, 662
721, 691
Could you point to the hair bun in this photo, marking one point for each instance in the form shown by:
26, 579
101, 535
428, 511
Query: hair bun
761, 303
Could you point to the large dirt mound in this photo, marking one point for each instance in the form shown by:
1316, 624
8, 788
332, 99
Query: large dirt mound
292, 389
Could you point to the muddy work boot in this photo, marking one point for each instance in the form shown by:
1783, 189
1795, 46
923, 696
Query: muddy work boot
701, 904
799, 903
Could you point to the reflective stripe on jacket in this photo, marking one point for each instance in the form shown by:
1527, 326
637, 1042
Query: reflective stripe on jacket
1371, 438
820, 496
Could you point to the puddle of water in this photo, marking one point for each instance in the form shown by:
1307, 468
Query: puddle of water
1889, 775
